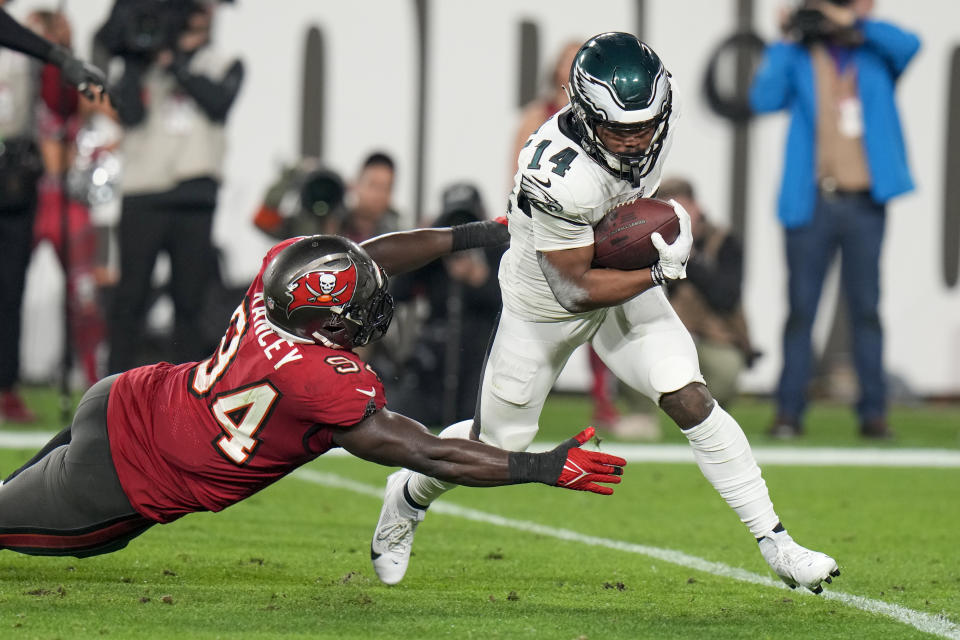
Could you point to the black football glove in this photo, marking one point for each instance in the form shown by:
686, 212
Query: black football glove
84, 76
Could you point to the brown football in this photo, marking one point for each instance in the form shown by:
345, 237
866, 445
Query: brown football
621, 240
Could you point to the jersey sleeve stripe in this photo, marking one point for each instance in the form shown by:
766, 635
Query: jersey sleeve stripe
579, 223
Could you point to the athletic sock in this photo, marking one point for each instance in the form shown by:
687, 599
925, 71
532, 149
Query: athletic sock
724, 457
424, 489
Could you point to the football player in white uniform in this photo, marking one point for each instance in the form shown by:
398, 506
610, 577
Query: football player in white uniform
605, 148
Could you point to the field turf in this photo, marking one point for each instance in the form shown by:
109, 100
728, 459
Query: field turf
293, 561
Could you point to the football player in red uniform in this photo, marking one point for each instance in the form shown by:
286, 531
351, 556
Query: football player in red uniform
158, 442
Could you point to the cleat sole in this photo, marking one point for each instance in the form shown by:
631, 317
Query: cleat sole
835, 573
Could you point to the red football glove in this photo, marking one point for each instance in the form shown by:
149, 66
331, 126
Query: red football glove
569, 466
582, 469
501, 220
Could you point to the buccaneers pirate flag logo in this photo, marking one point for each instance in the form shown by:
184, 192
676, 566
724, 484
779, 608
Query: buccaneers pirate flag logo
322, 289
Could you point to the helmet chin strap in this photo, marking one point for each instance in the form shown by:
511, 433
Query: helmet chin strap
325, 341
635, 176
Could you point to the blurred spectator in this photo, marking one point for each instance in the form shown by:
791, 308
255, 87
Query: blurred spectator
20, 169
462, 297
173, 98
553, 99
835, 71
709, 301
303, 201
369, 211
61, 111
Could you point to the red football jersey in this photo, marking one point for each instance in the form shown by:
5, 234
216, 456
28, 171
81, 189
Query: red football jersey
202, 436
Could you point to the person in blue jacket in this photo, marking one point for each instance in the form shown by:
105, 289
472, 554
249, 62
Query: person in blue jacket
835, 71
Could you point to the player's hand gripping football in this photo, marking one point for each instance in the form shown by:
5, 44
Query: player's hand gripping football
673, 257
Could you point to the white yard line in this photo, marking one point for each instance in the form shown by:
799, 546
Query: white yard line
787, 456
792, 456
926, 622
23, 439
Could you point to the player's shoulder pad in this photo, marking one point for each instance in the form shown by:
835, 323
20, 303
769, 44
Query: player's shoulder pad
349, 390
557, 176
348, 364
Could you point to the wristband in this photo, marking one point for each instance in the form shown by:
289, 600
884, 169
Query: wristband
536, 467
473, 235
656, 274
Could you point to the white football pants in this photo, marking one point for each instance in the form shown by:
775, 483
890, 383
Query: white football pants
646, 346
642, 341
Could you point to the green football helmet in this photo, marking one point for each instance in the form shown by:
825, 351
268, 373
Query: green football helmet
617, 82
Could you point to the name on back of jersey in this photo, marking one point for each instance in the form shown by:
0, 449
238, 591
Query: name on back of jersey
273, 345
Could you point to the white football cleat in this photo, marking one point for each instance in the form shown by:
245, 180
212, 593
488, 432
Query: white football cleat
797, 565
393, 537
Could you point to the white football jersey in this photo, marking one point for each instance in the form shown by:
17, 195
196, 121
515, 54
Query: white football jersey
559, 194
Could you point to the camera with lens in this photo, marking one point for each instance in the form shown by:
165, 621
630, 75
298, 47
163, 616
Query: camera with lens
153, 25
145, 27
302, 201
808, 24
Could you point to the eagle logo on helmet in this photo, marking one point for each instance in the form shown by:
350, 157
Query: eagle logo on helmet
322, 288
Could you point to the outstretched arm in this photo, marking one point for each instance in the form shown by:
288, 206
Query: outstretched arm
404, 251
85, 77
19, 38
392, 439
408, 250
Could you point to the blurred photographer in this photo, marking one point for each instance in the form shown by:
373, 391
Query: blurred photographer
460, 296
20, 168
303, 201
835, 70
709, 300
173, 99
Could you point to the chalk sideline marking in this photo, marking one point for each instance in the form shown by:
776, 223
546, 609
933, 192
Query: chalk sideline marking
792, 456
682, 453
926, 622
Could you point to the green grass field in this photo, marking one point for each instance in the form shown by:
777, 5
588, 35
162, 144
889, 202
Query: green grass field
293, 561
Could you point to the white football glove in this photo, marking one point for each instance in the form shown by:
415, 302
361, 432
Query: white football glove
673, 257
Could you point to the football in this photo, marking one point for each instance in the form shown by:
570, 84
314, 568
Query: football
621, 240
